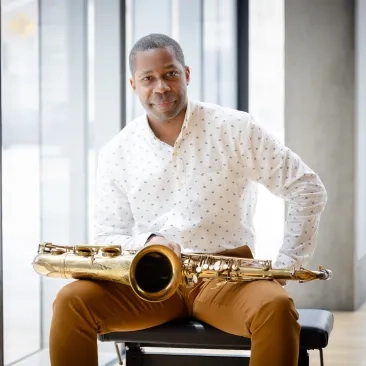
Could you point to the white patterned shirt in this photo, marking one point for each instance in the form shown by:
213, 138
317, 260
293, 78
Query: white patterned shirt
202, 192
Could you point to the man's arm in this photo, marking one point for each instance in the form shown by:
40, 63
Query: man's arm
283, 173
113, 219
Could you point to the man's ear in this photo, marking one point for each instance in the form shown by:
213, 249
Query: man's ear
187, 71
132, 83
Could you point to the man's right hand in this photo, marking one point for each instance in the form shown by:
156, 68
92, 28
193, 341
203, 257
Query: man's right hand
162, 241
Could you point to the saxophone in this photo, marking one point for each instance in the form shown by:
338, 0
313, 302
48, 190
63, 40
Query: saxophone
155, 272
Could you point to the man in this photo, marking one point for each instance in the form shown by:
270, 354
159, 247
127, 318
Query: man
184, 175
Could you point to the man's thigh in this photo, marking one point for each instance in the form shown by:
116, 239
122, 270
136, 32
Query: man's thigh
233, 307
115, 307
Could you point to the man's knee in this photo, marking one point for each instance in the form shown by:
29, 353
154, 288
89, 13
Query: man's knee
281, 306
282, 302
73, 311
277, 314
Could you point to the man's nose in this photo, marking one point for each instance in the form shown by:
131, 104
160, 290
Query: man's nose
161, 86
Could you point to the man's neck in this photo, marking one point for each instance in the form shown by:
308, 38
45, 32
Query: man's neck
168, 131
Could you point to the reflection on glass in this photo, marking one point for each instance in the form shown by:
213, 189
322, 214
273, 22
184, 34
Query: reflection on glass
20, 177
45, 156
58, 128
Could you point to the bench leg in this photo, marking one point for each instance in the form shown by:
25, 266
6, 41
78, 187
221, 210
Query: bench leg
120, 362
321, 357
303, 357
134, 355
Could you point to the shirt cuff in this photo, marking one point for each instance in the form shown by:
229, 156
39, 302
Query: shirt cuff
283, 261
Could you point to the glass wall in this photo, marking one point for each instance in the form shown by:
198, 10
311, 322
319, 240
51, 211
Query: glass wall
64, 132
51, 136
21, 179
266, 104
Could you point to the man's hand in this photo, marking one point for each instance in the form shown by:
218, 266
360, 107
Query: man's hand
162, 241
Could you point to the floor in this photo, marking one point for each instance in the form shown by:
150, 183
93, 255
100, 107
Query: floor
41, 358
347, 344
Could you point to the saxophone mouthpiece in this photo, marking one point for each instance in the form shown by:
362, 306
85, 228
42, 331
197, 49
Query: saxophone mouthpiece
326, 274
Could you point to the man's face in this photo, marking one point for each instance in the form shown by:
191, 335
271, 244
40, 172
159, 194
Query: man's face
160, 82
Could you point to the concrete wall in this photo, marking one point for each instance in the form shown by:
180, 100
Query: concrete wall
321, 126
360, 55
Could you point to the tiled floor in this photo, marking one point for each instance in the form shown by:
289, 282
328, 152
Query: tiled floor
347, 343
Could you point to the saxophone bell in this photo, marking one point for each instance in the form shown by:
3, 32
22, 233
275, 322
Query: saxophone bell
155, 273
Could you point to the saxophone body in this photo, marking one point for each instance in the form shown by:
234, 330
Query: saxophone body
155, 272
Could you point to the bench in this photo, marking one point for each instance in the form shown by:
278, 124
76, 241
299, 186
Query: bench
194, 343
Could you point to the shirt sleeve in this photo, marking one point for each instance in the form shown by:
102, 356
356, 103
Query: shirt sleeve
113, 219
282, 172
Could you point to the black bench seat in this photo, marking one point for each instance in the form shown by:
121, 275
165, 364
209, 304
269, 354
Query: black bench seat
316, 326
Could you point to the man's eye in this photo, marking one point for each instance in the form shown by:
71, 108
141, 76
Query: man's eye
172, 73
147, 78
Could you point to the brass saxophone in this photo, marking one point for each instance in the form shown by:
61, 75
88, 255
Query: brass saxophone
155, 272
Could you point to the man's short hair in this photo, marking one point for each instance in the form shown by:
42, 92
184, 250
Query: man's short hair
153, 41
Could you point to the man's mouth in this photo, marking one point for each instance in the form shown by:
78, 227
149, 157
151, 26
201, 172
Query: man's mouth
163, 105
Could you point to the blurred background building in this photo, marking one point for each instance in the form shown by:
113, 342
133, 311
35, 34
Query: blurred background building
299, 66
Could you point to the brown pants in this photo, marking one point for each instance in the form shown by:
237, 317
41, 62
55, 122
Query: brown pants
261, 310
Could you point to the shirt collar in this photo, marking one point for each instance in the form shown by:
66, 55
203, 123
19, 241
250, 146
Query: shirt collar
187, 119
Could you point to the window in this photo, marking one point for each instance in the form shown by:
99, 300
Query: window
52, 123
266, 104
20, 177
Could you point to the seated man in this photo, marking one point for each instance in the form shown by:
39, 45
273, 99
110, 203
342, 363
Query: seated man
184, 175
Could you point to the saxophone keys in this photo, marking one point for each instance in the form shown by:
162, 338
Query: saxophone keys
205, 266
195, 278
199, 269
225, 266
110, 252
57, 251
217, 266
83, 251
